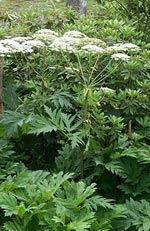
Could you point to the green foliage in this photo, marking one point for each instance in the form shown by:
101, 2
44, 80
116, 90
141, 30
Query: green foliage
39, 200
81, 112
138, 215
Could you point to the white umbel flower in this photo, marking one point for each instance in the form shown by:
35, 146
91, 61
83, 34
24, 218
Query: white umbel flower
3, 50
46, 32
120, 56
65, 43
57, 46
93, 48
116, 48
130, 46
33, 43
69, 40
74, 34
123, 47
93, 41
22, 39
45, 35
11, 45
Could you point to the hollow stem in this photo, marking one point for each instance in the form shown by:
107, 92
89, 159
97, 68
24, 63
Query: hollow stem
130, 128
1, 85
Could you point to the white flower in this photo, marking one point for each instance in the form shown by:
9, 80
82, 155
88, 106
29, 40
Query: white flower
21, 39
131, 46
69, 40
106, 89
46, 32
3, 50
116, 48
9, 46
123, 47
12, 45
26, 49
46, 35
65, 43
93, 41
93, 48
33, 43
61, 46
48, 39
120, 56
74, 34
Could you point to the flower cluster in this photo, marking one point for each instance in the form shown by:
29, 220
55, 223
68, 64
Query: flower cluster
120, 56
71, 41
65, 43
34, 43
123, 47
9, 46
74, 34
45, 35
93, 48
93, 41
19, 45
21, 39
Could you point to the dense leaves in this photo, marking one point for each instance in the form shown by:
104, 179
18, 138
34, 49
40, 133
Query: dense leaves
81, 109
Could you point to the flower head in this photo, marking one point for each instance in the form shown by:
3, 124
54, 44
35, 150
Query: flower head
123, 47
46, 32
33, 43
3, 50
65, 43
21, 39
45, 35
93, 41
74, 34
10, 46
93, 48
120, 56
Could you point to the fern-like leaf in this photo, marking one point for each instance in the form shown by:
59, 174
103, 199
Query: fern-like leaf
13, 226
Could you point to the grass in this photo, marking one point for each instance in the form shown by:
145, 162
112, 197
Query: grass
16, 6
22, 17
12, 6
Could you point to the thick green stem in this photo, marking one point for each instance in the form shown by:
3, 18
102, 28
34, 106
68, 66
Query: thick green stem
81, 165
1, 86
86, 120
130, 128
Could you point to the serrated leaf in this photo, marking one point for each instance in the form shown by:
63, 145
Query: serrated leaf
40, 124
8, 203
13, 226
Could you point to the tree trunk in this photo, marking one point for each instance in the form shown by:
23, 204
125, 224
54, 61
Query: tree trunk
78, 5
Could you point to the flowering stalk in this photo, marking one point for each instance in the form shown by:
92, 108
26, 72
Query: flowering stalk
130, 128
1, 85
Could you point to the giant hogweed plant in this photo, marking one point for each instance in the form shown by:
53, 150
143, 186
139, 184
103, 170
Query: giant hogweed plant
82, 117
75, 129
85, 82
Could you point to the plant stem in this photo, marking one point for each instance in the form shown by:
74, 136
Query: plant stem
1, 86
81, 165
130, 128
86, 119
